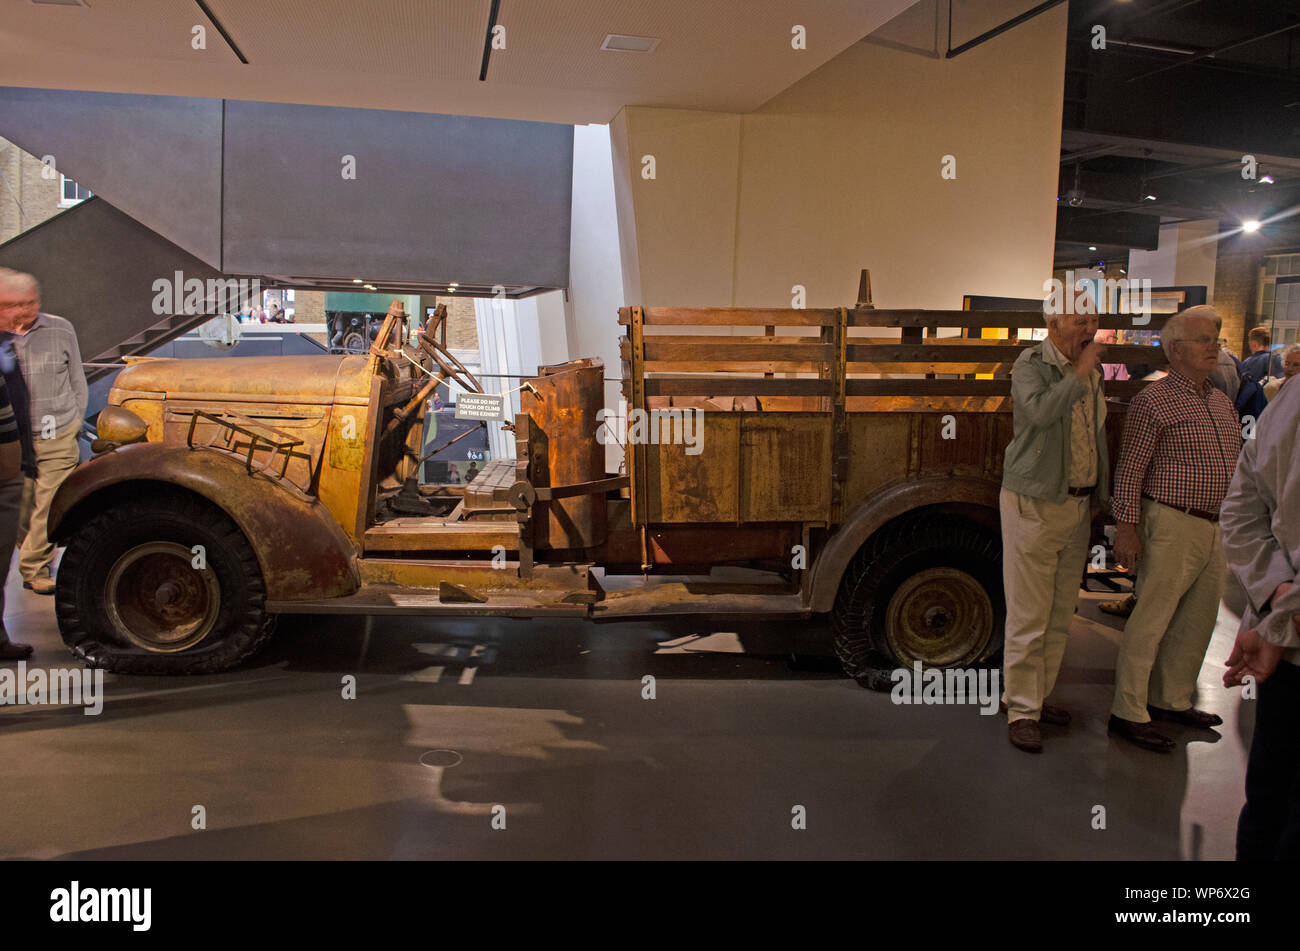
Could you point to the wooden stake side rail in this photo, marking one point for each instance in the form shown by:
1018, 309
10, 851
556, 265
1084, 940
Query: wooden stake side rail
985, 388
867, 317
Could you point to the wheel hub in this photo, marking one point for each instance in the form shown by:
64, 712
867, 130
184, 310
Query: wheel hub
157, 600
942, 617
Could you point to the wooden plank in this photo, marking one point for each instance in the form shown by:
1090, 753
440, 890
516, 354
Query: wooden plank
984, 388
978, 319
739, 316
733, 386
737, 349
929, 368
990, 352
423, 534
716, 366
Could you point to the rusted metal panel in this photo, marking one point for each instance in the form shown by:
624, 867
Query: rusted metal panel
878, 447
302, 551
784, 471
562, 405
695, 488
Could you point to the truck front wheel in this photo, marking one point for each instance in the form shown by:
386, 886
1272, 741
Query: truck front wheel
927, 589
164, 586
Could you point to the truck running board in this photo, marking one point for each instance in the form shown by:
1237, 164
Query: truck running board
400, 599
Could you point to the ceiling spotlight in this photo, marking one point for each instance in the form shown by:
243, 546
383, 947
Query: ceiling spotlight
1151, 198
356, 280
1267, 179
1250, 227
370, 287
1092, 247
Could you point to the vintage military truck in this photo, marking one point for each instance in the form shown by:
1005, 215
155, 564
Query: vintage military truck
856, 468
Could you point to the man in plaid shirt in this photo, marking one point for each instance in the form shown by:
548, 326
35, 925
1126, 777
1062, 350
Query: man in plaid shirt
1181, 442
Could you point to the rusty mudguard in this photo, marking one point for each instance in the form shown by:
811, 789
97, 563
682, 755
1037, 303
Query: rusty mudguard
897, 500
303, 553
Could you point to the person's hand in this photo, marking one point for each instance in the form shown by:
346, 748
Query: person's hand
1251, 656
1128, 548
1089, 358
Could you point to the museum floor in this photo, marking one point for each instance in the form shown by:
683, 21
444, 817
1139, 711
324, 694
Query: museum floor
549, 722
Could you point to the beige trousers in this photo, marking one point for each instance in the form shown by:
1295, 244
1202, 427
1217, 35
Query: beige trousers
55, 460
1044, 548
1180, 582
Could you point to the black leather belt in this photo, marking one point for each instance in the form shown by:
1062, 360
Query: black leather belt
1187, 510
1081, 489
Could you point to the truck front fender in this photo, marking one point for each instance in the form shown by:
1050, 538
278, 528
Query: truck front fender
302, 551
872, 515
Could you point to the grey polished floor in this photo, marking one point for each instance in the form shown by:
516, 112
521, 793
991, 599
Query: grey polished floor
547, 720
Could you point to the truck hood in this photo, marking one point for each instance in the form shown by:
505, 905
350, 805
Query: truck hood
233, 378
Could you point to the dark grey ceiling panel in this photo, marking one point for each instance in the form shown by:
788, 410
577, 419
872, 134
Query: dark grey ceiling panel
435, 198
156, 158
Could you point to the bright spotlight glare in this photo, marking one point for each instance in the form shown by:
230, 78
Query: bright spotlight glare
1250, 227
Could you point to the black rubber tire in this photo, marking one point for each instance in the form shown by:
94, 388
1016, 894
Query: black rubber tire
242, 626
889, 558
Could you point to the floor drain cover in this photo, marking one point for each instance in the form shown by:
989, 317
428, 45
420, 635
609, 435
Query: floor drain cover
443, 758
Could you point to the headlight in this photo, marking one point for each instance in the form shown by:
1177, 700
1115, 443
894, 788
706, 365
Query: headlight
120, 426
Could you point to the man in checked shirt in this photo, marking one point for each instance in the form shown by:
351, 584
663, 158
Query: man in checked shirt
1181, 441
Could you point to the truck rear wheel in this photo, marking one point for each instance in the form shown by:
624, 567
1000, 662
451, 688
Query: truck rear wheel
136, 595
927, 589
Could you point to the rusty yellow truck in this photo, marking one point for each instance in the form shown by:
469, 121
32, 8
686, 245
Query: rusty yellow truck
218, 500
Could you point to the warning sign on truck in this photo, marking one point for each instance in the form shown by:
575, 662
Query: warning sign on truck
480, 406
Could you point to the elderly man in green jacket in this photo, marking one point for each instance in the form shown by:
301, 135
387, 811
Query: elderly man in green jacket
1055, 469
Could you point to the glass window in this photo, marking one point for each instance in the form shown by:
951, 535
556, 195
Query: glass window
1270, 267
71, 192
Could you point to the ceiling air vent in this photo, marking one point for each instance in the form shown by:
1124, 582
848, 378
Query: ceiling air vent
621, 43
60, 3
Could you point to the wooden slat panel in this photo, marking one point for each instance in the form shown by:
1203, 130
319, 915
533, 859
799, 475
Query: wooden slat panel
733, 386
736, 316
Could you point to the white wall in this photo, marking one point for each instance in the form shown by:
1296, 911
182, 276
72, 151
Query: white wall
596, 289
842, 171
1187, 254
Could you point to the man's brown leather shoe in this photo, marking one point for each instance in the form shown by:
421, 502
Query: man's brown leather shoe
1143, 734
1024, 734
1189, 717
1054, 714
40, 584
1048, 714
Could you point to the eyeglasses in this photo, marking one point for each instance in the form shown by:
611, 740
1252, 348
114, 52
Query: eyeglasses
1201, 341
14, 305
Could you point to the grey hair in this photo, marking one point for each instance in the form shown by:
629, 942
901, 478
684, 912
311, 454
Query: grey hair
1175, 328
18, 281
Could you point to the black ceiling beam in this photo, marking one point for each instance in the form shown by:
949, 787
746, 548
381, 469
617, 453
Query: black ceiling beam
487, 40
997, 30
1217, 50
230, 41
